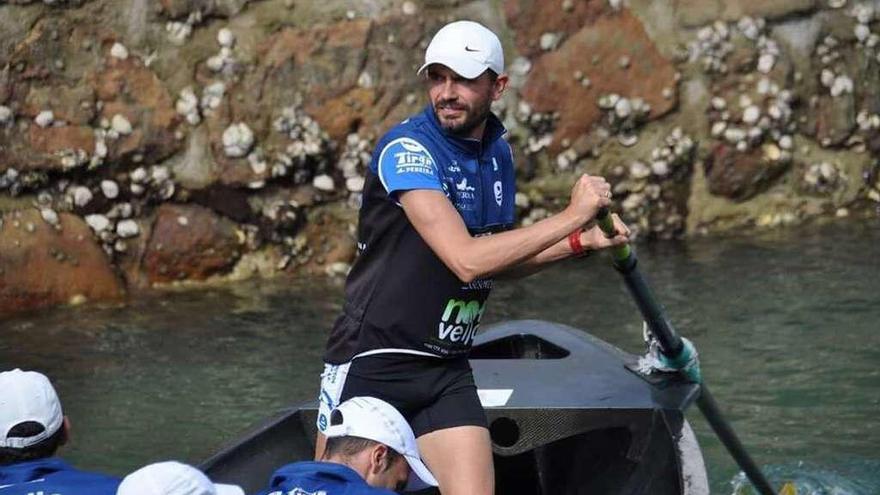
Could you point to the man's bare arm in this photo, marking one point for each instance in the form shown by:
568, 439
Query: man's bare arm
592, 239
443, 229
557, 252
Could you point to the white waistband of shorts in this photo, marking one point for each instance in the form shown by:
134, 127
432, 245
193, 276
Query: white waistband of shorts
395, 351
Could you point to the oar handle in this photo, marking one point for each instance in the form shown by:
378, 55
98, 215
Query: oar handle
606, 223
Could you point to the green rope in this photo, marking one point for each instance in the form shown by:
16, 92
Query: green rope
687, 361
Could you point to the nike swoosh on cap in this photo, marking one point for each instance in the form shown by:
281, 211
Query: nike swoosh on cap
469, 49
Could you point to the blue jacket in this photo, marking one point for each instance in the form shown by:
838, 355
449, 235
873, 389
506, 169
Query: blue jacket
477, 176
319, 478
52, 476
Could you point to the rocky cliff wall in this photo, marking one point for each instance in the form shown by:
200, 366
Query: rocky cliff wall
147, 142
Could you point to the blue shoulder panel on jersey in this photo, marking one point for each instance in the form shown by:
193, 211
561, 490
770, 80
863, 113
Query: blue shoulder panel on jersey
406, 164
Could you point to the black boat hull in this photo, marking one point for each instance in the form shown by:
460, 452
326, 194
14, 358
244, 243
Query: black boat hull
566, 416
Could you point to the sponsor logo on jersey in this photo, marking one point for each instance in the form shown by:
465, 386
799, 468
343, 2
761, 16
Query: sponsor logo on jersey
463, 186
460, 321
480, 284
410, 156
498, 196
298, 491
465, 196
37, 492
453, 167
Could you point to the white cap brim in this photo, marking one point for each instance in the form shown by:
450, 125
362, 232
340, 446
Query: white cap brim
464, 67
228, 489
421, 477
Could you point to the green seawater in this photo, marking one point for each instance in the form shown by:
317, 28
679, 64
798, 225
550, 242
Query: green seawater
787, 325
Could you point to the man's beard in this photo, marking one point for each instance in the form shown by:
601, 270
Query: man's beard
473, 118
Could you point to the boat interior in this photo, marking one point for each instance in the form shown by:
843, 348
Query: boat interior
576, 420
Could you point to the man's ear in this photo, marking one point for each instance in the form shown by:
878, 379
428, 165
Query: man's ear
65, 437
379, 459
499, 86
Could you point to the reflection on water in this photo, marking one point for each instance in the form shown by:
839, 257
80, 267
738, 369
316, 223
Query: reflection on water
176, 374
786, 326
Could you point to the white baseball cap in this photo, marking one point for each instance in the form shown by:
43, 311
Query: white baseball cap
27, 396
466, 47
377, 420
172, 478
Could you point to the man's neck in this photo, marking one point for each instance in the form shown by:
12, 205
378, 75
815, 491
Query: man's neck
352, 463
477, 132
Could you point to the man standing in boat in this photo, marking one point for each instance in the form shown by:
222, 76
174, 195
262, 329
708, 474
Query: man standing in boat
436, 228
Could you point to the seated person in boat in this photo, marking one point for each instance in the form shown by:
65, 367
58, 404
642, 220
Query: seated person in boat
173, 478
32, 428
436, 227
371, 450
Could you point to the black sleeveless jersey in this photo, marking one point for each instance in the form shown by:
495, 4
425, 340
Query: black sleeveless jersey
399, 296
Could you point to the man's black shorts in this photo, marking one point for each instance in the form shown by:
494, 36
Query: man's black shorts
431, 393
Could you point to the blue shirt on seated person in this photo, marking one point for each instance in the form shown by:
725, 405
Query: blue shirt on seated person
321, 477
52, 476
32, 428
371, 450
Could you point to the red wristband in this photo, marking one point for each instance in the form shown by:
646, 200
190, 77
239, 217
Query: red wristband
574, 241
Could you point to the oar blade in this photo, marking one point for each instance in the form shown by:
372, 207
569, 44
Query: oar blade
788, 489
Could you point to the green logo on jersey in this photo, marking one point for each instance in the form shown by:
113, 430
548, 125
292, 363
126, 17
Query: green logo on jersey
460, 321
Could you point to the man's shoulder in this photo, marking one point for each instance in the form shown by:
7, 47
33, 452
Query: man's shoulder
76, 477
56, 474
411, 129
297, 471
502, 145
407, 152
321, 477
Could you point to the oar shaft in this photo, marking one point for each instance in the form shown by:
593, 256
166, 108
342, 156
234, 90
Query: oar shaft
712, 413
652, 311
626, 262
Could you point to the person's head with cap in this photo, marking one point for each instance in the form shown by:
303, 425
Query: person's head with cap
464, 70
370, 436
172, 478
32, 425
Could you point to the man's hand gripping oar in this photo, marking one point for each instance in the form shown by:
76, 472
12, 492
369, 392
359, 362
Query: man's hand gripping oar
676, 353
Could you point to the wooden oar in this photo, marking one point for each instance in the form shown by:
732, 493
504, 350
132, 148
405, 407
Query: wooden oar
673, 348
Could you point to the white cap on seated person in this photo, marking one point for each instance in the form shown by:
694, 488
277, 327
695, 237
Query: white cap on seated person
27, 396
377, 420
172, 478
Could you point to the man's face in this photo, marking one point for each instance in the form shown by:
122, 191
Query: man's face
462, 105
393, 476
397, 475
